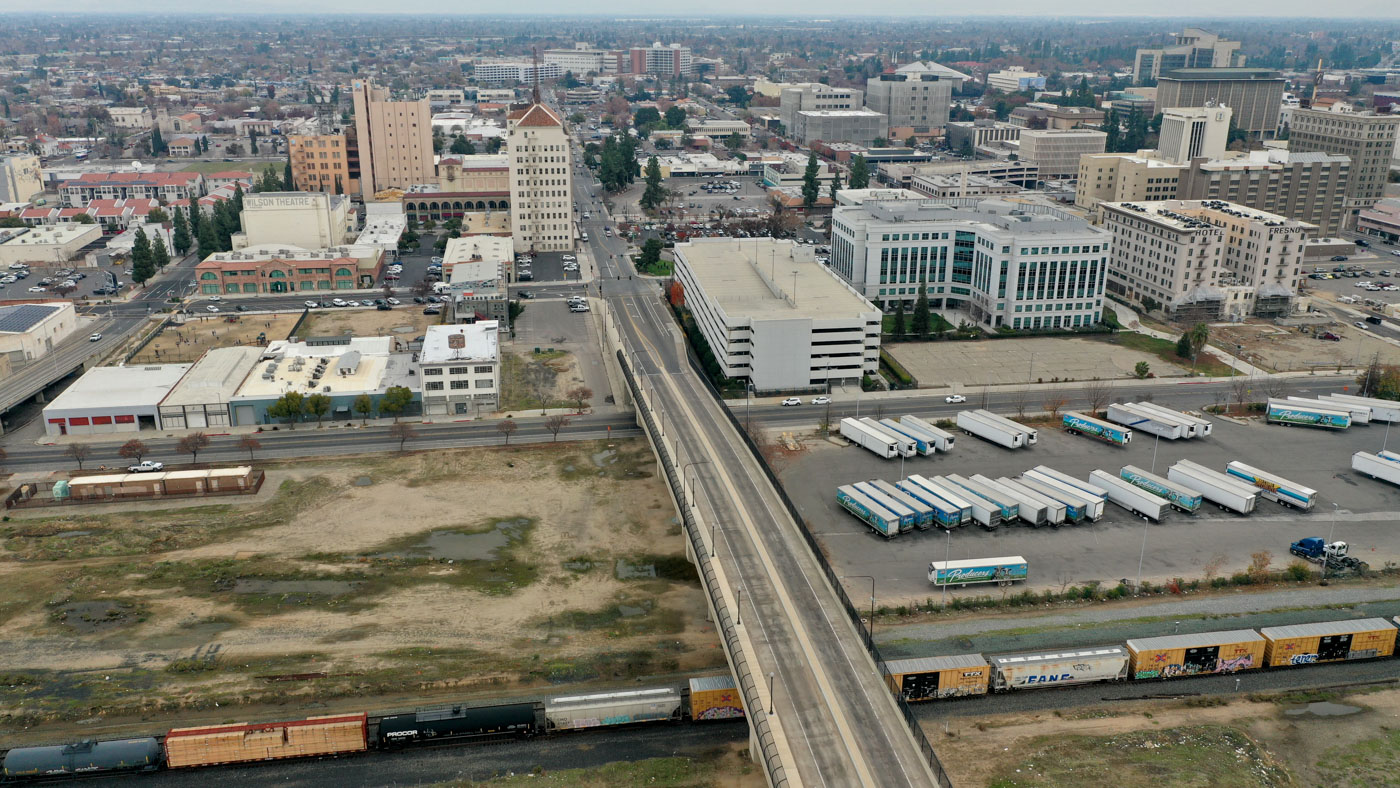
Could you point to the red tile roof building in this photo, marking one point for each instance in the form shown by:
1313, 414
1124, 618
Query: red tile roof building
165, 186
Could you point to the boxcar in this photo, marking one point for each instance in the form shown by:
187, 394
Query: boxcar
520, 719
216, 744
715, 698
1171, 656
1328, 641
86, 758
928, 678
613, 708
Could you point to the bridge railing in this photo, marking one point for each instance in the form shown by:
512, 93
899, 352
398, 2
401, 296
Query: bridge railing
724, 616
867, 632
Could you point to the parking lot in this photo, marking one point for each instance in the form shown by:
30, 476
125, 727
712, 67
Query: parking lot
86, 279
1108, 550
695, 202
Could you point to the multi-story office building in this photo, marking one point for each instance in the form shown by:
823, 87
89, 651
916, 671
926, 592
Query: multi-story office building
394, 139
838, 125
1381, 220
1038, 115
815, 96
773, 315
460, 369
541, 180
1015, 79
582, 60
1119, 177
919, 68
503, 73
1003, 264
976, 133
1195, 48
1191, 132
915, 104
1205, 259
21, 178
325, 162
661, 61
1056, 153
1367, 138
1254, 94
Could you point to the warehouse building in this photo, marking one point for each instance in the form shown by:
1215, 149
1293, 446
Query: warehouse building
201, 398
30, 331
341, 368
113, 399
773, 315
57, 243
461, 369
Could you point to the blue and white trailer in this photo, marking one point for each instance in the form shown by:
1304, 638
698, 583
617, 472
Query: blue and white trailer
1274, 487
1183, 499
1130, 415
885, 522
906, 446
1281, 411
1092, 505
922, 444
1200, 428
984, 512
1005, 503
906, 515
1386, 410
1007, 569
1135, 499
945, 515
943, 439
1055, 513
1028, 508
923, 513
1080, 424
1360, 414
953, 500
1383, 465
1093, 490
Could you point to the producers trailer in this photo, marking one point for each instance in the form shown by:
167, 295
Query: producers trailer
1150, 423
1007, 506
971, 422
1274, 487
1222, 490
885, 522
1281, 411
861, 435
1360, 414
1077, 507
1134, 499
951, 498
984, 512
1183, 499
1028, 508
1200, 428
923, 513
922, 444
1031, 435
942, 438
1080, 424
906, 516
1007, 569
1383, 465
906, 446
1054, 510
1386, 410
945, 515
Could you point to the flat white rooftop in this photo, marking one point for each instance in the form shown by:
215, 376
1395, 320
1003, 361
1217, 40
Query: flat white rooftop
215, 377
479, 343
764, 279
115, 388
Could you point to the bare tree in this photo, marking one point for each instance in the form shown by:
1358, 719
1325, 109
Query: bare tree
1099, 394
78, 452
1022, 398
1213, 566
1259, 565
556, 423
1239, 391
540, 378
982, 398
579, 395
507, 427
192, 444
133, 449
249, 444
1274, 386
402, 431
1054, 403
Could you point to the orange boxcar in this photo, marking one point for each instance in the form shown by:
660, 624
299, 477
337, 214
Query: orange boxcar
267, 741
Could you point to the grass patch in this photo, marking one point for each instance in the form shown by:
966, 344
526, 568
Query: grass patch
609, 461
936, 324
518, 392
675, 772
424, 557
625, 618
661, 267
1204, 755
1362, 764
209, 167
1166, 351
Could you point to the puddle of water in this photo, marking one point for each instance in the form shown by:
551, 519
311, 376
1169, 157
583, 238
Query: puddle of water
363, 481
627, 570
578, 566
456, 546
95, 616
71, 534
569, 469
605, 458
303, 587
1322, 709
630, 611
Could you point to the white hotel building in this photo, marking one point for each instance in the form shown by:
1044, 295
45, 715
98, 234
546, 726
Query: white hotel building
1002, 264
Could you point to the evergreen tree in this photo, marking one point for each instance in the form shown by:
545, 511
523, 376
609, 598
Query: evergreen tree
253, 143
181, 237
287, 184
238, 204
157, 142
462, 146
810, 190
898, 329
204, 233
860, 174
225, 225
835, 185
142, 267
1183, 346
655, 193
160, 258
923, 320
339, 189
1112, 143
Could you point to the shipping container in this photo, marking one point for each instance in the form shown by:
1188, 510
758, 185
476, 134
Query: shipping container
1079, 484
1221, 489
1383, 465
1006, 569
1004, 503
613, 708
1274, 487
241, 743
1058, 669
1381, 409
1032, 435
1181, 497
927, 678
1076, 506
715, 698
943, 439
973, 423
1328, 641
1029, 508
1055, 513
986, 513
1171, 656
1080, 424
924, 516
1360, 414
85, 758
863, 436
1281, 411
1090, 503
904, 443
885, 522
1135, 499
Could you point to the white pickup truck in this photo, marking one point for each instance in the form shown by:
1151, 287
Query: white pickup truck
146, 466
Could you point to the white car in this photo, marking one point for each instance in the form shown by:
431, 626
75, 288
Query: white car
952, 398
338, 301
393, 301
437, 259
95, 338
1395, 252
790, 401
311, 304
821, 400
212, 308
215, 298
38, 289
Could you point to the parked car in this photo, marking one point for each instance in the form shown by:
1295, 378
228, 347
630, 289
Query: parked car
211, 308
952, 398
37, 289
215, 298
433, 310
338, 301
790, 401
437, 260
1362, 242
310, 304
821, 400
1329, 336
1339, 258
146, 466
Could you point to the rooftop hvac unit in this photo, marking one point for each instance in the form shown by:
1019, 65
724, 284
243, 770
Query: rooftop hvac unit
325, 388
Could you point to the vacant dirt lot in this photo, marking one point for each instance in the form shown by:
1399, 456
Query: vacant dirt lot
1005, 361
1279, 348
1250, 742
397, 576
180, 344
406, 322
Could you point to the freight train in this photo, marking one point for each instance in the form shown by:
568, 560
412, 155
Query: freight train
704, 699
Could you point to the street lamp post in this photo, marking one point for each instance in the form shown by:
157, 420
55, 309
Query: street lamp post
690, 499
872, 598
772, 702
1326, 555
947, 556
1142, 553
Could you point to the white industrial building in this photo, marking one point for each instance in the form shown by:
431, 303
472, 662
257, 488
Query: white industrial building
773, 315
1001, 264
30, 331
56, 243
460, 369
201, 398
112, 399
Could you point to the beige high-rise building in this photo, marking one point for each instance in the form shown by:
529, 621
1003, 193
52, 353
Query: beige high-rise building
541, 180
1367, 138
395, 139
1191, 132
1057, 152
1254, 94
325, 162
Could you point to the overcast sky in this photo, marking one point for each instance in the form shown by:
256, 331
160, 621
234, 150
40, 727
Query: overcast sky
1200, 10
